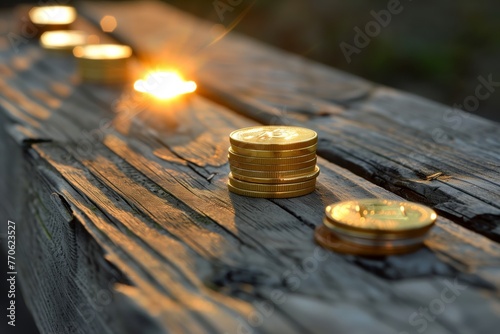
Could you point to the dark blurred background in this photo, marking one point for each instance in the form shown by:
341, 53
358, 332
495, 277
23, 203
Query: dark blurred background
436, 49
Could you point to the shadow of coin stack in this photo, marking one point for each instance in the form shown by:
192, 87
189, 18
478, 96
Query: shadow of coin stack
273, 161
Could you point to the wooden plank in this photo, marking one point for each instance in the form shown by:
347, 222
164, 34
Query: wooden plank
268, 255
159, 204
394, 139
65, 276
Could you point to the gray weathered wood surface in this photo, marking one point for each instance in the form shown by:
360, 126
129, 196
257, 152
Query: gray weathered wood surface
391, 138
130, 227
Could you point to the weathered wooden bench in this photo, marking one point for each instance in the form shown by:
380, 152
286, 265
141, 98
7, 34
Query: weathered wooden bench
125, 225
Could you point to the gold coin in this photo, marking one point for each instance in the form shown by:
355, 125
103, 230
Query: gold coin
103, 75
274, 154
269, 161
121, 72
296, 179
61, 40
270, 187
52, 15
370, 234
329, 240
380, 217
102, 52
99, 69
273, 174
103, 62
105, 80
270, 168
273, 138
270, 194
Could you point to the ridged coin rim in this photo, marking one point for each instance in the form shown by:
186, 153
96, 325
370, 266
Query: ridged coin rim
269, 160
281, 180
270, 187
270, 194
273, 174
274, 168
274, 153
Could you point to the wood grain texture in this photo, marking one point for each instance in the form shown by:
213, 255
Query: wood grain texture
126, 208
391, 138
194, 253
200, 238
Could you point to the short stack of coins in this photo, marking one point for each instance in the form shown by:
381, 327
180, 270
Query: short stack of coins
103, 63
375, 227
273, 161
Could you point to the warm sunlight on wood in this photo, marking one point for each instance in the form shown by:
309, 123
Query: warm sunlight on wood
164, 85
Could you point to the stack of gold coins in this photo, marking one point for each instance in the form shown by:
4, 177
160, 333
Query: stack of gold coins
103, 63
273, 161
63, 41
375, 227
48, 18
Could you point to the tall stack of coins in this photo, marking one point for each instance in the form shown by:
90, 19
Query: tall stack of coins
273, 161
103, 63
375, 227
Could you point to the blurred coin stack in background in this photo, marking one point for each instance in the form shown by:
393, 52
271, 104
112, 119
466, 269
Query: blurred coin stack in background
273, 161
103, 63
49, 18
63, 41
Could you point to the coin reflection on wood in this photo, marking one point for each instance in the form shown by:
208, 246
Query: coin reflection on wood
273, 161
103, 63
375, 227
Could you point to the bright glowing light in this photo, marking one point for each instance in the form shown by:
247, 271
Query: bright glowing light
102, 51
52, 15
164, 85
63, 39
108, 23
